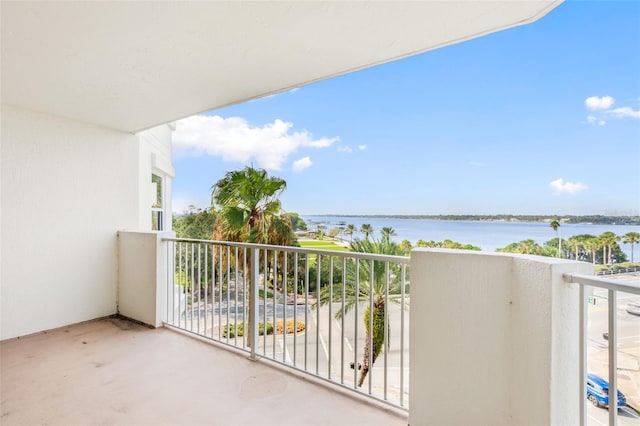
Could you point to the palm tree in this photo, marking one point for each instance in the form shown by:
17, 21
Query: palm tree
350, 230
607, 239
592, 244
368, 287
524, 247
555, 225
366, 229
631, 238
248, 201
572, 244
387, 232
405, 246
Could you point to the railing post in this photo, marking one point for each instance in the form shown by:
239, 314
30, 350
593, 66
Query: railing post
253, 306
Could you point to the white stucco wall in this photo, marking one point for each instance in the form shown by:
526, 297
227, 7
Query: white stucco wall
67, 188
494, 339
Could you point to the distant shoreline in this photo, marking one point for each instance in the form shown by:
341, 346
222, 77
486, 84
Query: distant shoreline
585, 220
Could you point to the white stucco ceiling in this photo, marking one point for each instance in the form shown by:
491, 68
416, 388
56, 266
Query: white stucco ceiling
133, 65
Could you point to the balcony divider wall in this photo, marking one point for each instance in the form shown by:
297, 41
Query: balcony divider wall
497, 334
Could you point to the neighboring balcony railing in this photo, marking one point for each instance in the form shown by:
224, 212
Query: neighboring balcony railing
340, 316
619, 271
613, 287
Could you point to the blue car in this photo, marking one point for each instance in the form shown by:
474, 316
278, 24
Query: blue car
598, 392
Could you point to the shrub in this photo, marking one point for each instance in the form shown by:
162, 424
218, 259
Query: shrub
231, 330
237, 329
299, 326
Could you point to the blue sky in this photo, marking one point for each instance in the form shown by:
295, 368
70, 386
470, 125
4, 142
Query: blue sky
539, 119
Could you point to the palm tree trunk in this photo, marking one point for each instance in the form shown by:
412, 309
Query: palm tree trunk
374, 339
365, 358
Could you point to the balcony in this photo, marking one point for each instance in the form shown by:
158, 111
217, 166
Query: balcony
477, 318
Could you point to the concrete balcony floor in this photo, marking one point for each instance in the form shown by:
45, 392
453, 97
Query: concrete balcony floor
115, 372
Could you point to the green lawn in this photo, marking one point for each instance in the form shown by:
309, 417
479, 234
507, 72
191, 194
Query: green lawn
322, 245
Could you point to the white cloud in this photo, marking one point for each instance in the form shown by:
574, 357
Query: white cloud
599, 102
301, 164
362, 147
345, 148
602, 106
595, 120
624, 112
559, 186
234, 139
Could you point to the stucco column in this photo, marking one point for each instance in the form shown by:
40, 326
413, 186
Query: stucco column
142, 276
494, 339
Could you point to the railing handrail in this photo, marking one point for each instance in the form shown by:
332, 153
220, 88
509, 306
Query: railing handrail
405, 260
609, 284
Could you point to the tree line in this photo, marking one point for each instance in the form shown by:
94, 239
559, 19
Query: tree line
573, 219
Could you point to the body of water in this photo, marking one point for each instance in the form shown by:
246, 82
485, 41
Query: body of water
489, 236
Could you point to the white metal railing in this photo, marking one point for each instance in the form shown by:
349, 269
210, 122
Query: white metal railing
307, 309
612, 287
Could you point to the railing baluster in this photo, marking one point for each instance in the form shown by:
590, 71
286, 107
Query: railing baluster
180, 287
264, 302
213, 291
318, 273
355, 327
245, 294
402, 312
191, 281
330, 315
613, 359
285, 283
306, 307
295, 308
583, 355
342, 315
228, 275
228, 288
275, 289
220, 284
199, 287
386, 326
371, 330
253, 307
235, 303
206, 287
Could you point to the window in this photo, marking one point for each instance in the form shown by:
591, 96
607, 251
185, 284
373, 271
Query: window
157, 219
